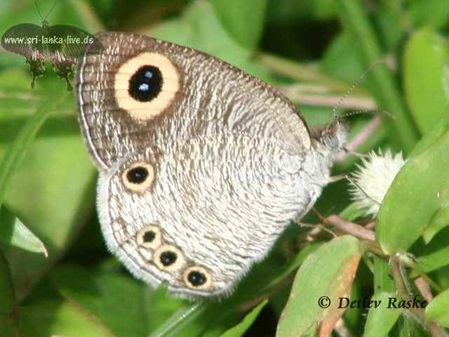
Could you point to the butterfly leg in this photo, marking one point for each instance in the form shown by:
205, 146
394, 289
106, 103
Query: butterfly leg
37, 66
63, 67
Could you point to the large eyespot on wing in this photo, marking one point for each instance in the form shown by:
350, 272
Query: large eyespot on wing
145, 85
124, 93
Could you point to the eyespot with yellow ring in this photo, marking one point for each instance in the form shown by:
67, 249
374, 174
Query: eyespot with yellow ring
146, 85
149, 237
139, 176
169, 258
197, 277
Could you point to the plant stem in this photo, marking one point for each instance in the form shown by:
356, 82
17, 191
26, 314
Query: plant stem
356, 23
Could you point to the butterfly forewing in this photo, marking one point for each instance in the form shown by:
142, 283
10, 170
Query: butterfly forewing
71, 41
187, 94
23, 39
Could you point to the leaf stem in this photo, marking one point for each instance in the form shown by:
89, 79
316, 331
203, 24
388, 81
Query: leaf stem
355, 21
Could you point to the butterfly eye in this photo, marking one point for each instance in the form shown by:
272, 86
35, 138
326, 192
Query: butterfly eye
149, 237
197, 278
169, 258
139, 177
146, 83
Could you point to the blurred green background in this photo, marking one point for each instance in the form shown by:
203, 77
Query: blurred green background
313, 51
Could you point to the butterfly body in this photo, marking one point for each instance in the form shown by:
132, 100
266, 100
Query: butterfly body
201, 165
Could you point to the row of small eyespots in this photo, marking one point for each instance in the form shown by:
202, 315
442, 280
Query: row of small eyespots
170, 258
138, 178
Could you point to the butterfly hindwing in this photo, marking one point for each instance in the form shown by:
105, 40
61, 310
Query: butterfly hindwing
212, 206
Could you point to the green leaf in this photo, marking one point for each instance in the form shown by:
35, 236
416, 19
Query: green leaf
434, 135
433, 13
21, 144
200, 28
439, 221
381, 319
122, 311
434, 261
417, 193
329, 272
52, 317
240, 329
391, 25
342, 61
383, 281
438, 309
189, 321
357, 24
435, 253
6, 288
52, 188
13, 232
160, 307
425, 61
243, 19
7, 302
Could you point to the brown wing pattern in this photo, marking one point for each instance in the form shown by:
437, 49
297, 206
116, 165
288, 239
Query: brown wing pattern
184, 94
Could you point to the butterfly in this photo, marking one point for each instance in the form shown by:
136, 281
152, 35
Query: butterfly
201, 166
61, 45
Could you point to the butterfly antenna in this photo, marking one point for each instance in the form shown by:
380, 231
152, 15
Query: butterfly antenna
38, 11
51, 10
362, 77
359, 112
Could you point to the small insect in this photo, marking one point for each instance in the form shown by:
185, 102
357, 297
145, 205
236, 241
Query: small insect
61, 45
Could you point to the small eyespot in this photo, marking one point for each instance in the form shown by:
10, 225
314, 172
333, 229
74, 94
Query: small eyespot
146, 83
138, 177
149, 237
197, 278
169, 258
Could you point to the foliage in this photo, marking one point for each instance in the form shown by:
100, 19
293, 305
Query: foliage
312, 51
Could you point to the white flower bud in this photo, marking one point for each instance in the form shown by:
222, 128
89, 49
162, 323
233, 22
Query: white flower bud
373, 178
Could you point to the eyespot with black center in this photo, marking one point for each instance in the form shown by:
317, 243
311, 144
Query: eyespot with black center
146, 85
197, 277
169, 258
149, 237
139, 176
